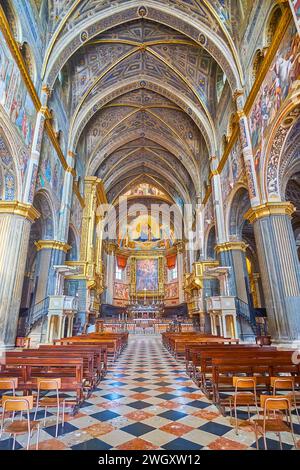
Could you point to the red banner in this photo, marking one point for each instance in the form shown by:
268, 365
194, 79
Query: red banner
171, 261
121, 261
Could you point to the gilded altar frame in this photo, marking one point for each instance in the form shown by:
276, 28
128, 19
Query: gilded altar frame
148, 293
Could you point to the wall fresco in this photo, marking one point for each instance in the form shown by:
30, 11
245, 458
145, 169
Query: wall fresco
14, 96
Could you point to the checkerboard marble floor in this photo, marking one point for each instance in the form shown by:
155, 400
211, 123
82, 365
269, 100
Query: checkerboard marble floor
147, 402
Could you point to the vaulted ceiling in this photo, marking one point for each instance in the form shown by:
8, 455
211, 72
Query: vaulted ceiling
139, 82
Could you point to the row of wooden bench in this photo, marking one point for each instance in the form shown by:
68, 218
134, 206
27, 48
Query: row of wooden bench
115, 342
176, 342
212, 367
213, 361
80, 363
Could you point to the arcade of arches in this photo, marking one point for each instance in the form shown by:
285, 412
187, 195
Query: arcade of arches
192, 107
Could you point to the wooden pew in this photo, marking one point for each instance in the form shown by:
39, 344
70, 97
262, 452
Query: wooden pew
193, 352
263, 365
90, 375
166, 337
178, 345
202, 362
99, 351
113, 345
27, 369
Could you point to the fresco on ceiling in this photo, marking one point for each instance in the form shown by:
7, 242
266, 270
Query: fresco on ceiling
284, 71
144, 189
295, 5
50, 172
144, 232
146, 275
14, 97
7, 173
192, 8
233, 170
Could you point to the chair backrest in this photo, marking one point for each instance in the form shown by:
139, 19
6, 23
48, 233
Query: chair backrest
8, 383
244, 382
48, 384
273, 403
17, 403
286, 383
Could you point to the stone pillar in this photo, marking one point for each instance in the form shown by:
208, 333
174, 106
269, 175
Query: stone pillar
245, 135
50, 253
259, 302
180, 271
218, 201
66, 200
15, 223
279, 268
33, 162
233, 255
110, 272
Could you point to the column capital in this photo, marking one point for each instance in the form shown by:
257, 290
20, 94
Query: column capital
111, 248
71, 154
52, 245
46, 112
241, 113
230, 246
268, 209
71, 170
237, 93
47, 90
19, 208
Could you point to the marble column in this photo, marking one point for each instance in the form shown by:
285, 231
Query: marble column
180, 271
33, 163
50, 253
110, 273
233, 255
66, 200
15, 223
279, 268
218, 201
254, 193
259, 300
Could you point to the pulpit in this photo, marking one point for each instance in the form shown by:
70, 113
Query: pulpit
222, 313
62, 309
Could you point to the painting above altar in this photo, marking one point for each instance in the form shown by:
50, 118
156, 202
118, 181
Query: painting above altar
146, 275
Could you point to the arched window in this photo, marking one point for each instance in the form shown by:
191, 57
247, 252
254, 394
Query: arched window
257, 63
272, 25
220, 83
29, 60
11, 17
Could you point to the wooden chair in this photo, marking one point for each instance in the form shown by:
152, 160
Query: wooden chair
286, 383
244, 395
44, 384
20, 426
8, 383
280, 406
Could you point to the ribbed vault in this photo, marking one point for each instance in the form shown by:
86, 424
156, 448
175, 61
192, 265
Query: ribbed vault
142, 89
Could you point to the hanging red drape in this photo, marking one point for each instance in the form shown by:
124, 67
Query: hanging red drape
121, 261
171, 261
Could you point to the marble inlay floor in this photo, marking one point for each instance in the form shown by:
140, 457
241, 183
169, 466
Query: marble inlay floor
147, 402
